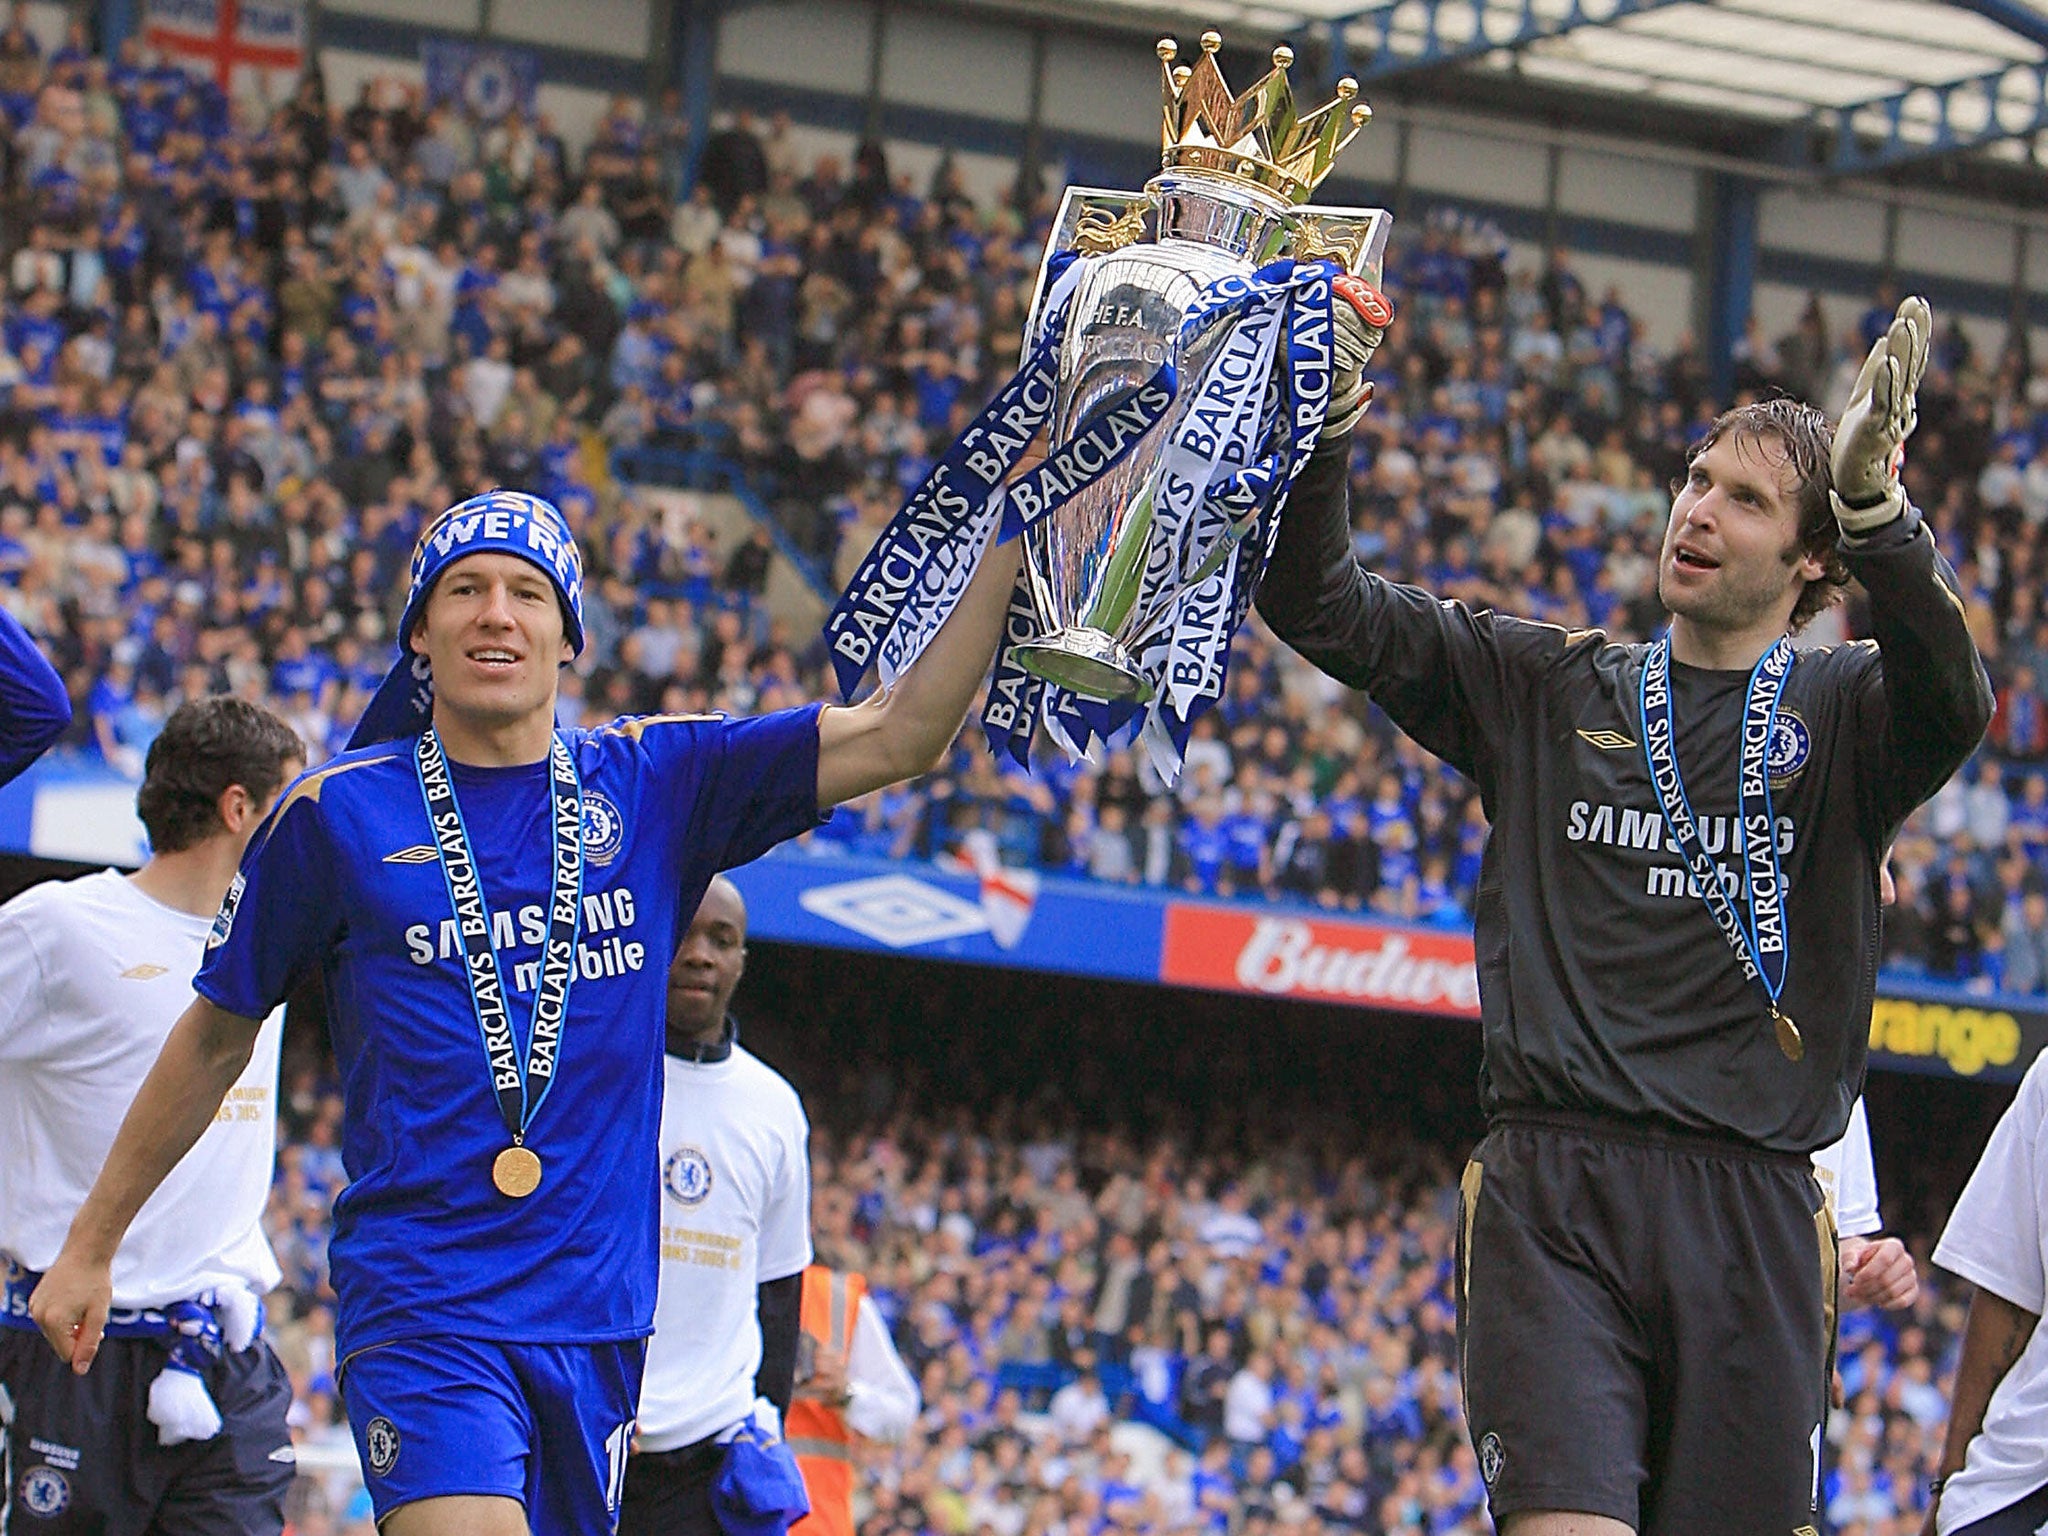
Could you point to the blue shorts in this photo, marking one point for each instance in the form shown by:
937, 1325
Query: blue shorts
547, 1424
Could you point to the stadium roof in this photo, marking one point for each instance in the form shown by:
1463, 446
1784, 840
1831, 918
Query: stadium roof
1908, 79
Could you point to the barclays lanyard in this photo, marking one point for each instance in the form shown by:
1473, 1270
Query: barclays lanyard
520, 1090
1761, 941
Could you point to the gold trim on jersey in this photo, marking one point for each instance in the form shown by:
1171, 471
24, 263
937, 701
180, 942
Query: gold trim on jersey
1468, 1209
632, 726
310, 786
1468, 1202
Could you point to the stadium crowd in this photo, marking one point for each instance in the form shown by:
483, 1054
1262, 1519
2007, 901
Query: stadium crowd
244, 354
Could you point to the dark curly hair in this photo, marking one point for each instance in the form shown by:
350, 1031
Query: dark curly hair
1807, 436
207, 747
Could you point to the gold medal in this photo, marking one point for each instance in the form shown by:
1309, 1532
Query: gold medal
1789, 1040
516, 1172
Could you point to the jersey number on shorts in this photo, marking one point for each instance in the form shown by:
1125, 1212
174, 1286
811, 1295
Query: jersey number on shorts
616, 1446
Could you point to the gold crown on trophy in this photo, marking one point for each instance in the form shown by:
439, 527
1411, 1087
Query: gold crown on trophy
1257, 137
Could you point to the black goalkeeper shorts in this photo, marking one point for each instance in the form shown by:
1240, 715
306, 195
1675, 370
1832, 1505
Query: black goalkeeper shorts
1645, 1326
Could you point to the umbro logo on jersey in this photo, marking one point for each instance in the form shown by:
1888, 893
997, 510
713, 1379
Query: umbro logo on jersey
1608, 741
285, 1453
143, 972
418, 853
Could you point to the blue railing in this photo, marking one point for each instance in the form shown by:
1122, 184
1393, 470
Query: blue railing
703, 468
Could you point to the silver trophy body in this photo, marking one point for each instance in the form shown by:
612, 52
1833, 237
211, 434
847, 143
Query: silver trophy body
1085, 559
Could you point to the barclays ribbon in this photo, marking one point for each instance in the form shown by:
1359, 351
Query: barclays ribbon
520, 1089
1221, 478
913, 576
1760, 940
1190, 649
1232, 455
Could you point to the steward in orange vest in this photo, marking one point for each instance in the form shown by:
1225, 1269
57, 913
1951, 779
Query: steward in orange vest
815, 1425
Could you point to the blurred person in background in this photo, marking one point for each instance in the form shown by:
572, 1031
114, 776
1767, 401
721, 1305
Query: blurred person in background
735, 1237
851, 1386
182, 1429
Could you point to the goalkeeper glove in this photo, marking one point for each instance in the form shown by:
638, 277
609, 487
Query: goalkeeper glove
1362, 317
1870, 439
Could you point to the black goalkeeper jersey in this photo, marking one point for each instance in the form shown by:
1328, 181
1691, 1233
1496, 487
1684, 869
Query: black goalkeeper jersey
1605, 985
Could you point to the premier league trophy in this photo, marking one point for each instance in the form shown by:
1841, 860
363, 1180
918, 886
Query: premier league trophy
1178, 358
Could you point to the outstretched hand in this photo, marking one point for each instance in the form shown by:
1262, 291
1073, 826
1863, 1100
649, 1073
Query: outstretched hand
1880, 416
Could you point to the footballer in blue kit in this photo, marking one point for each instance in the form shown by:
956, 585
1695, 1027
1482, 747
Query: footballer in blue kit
492, 904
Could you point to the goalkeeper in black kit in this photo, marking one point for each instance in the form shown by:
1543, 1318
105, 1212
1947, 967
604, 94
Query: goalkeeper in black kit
1676, 925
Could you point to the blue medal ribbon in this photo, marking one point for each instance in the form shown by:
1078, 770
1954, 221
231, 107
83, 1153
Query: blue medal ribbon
520, 1091
1760, 939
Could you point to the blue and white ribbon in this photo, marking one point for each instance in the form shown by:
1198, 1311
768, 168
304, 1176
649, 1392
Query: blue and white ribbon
1239, 519
197, 1334
912, 578
1215, 491
1758, 938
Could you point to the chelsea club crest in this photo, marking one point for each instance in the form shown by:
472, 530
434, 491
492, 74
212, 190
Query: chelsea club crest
687, 1176
604, 829
45, 1492
1791, 744
380, 1440
1491, 1458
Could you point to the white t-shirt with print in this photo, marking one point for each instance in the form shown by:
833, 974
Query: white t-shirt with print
735, 1212
93, 974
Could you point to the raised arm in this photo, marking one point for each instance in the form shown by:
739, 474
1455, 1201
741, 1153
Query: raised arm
903, 731
206, 1051
1936, 697
34, 708
1449, 675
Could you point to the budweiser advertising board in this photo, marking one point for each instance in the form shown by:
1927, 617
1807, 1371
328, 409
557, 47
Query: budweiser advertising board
1330, 960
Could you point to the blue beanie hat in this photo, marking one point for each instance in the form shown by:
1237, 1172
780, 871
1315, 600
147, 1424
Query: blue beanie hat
497, 522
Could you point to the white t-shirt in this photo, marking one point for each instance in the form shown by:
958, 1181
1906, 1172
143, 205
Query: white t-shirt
1849, 1179
735, 1212
1997, 1239
93, 974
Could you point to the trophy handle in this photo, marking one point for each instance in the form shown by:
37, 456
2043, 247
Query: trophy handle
1355, 238
1093, 221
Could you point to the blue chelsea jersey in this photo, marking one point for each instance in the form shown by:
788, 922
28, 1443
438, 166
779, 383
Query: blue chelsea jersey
345, 878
